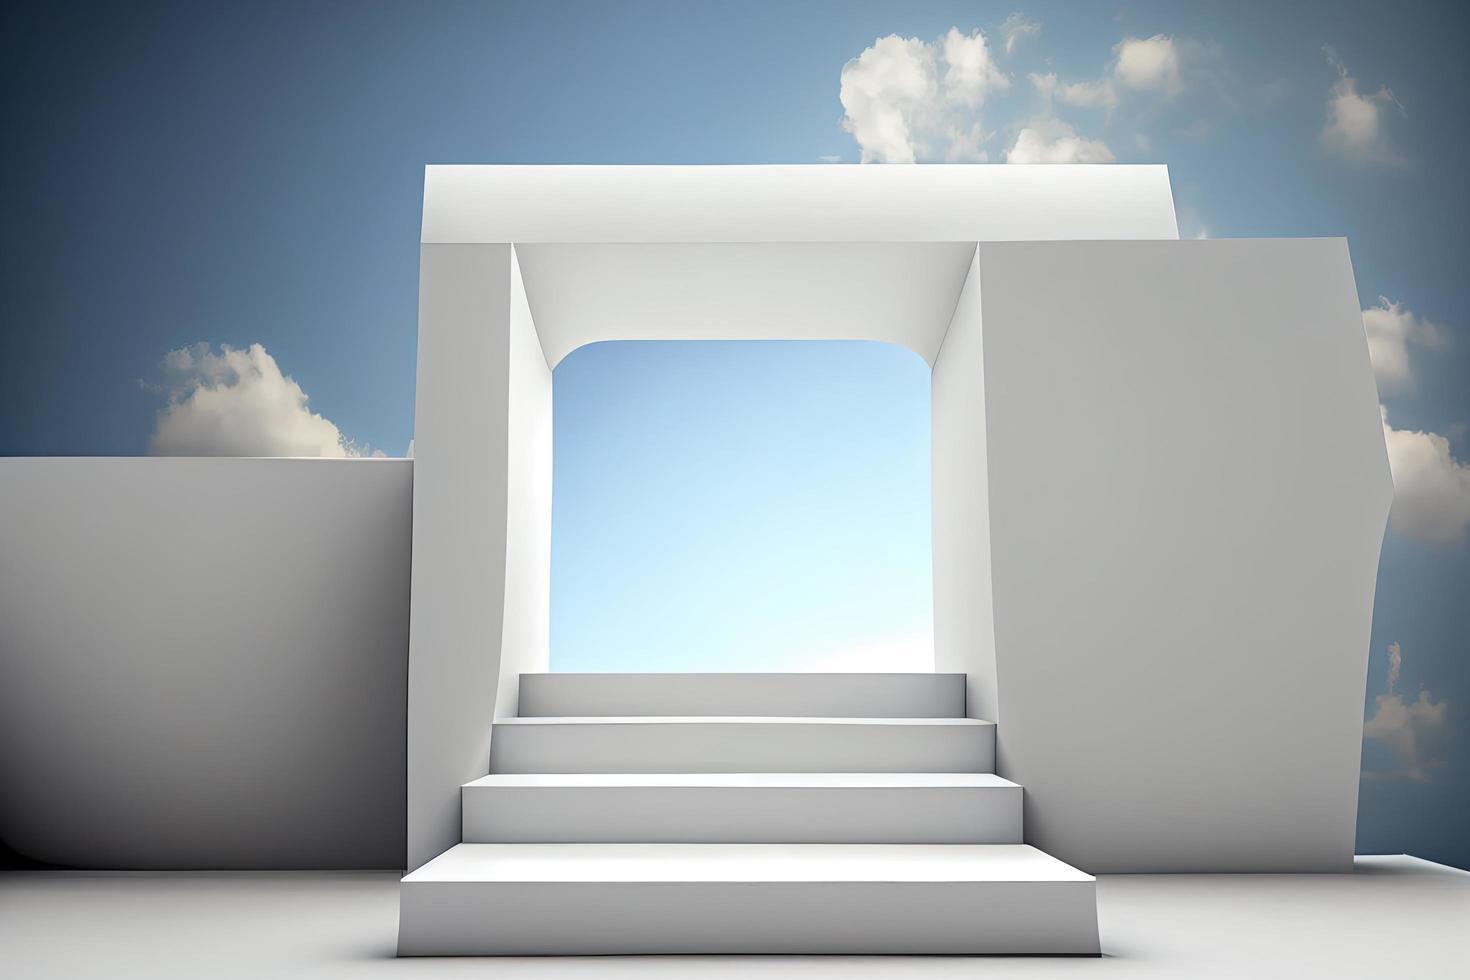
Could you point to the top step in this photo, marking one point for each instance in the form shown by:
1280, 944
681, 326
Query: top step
730, 695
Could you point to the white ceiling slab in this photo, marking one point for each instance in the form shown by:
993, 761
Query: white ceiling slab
899, 293
801, 203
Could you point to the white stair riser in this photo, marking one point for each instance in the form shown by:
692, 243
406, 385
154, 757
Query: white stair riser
716, 814
761, 695
741, 747
612, 918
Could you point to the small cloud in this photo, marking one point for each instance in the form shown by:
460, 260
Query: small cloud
1083, 95
1354, 126
1409, 730
1017, 28
1431, 489
239, 403
830, 158
1392, 331
1050, 140
905, 100
1148, 64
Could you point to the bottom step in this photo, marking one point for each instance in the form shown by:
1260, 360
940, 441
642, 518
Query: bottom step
599, 899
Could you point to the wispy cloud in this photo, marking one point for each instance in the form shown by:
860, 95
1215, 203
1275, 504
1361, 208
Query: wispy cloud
1017, 28
1354, 126
1409, 730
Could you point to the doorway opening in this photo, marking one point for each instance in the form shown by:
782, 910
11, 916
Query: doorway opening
741, 506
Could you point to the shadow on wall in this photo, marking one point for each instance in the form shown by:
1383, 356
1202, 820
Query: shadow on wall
205, 663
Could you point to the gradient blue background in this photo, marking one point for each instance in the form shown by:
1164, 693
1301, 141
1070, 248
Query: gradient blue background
252, 173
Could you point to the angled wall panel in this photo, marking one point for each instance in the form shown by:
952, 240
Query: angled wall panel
1188, 491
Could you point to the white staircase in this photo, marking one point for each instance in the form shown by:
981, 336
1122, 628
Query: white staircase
744, 813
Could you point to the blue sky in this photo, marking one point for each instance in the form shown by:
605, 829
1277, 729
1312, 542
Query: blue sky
192, 174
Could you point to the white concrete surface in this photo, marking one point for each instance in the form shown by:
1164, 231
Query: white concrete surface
473, 523
1394, 917
525, 641
202, 661
512, 899
895, 292
897, 695
745, 744
1188, 489
468, 204
809, 807
964, 627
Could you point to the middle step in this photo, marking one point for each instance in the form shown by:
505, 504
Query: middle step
743, 808
704, 744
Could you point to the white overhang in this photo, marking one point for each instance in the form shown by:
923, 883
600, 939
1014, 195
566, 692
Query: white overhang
755, 252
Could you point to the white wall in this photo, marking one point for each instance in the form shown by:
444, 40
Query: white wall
964, 635
474, 349
202, 661
525, 644
471, 204
896, 292
1188, 491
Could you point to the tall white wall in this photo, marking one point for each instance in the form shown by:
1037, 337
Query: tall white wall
1188, 490
202, 661
964, 634
525, 644
476, 347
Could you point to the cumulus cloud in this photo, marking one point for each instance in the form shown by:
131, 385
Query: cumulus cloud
1148, 64
1354, 124
1017, 28
1392, 331
1431, 489
905, 99
1050, 140
1409, 730
239, 403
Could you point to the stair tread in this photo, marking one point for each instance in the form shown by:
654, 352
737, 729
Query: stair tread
744, 674
772, 863
730, 720
877, 780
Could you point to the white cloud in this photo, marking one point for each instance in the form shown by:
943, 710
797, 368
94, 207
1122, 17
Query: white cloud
238, 403
1431, 489
1084, 95
1050, 140
1354, 124
1392, 330
1149, 64
1153, 64
1408, 729
1017, 28
906, 100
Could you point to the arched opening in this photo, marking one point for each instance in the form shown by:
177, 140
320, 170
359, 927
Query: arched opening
741, 506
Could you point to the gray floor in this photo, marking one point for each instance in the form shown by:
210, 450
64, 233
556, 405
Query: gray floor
1394, 917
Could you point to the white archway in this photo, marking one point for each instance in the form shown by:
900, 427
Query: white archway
1147, 454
